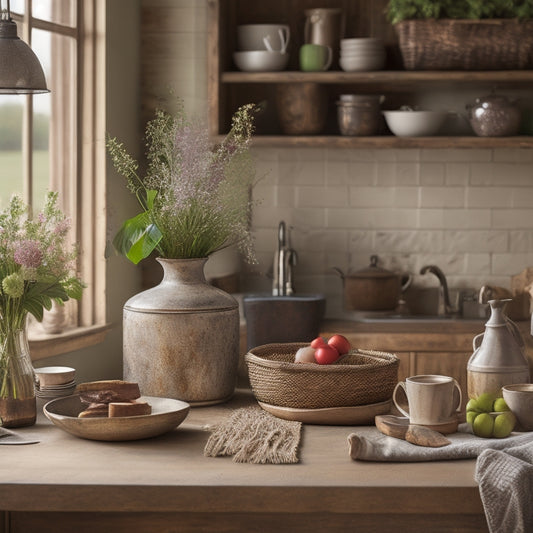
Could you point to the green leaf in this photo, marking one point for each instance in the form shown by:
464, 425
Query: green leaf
151, 195
145, 244
74, 288
137, 238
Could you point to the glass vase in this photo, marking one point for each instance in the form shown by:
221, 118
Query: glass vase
17, 382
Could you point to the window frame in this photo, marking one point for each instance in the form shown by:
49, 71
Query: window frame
84, 195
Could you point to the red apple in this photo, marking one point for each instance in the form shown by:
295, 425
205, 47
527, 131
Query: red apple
326, 354
318, 342
341, 343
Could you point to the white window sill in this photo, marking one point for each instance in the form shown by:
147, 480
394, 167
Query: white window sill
46, 345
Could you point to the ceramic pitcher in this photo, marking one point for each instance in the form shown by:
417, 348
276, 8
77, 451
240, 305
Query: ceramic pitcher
325, 26
499, 357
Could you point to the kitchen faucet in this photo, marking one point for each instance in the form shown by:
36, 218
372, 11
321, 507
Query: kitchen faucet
284, 259
448, 308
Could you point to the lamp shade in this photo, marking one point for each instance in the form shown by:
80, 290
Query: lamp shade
20, 70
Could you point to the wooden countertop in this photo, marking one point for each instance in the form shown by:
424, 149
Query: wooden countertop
170, 474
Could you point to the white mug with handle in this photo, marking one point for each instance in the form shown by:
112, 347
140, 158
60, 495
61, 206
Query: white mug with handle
432, 399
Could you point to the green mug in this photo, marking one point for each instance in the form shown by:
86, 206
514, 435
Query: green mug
315, 57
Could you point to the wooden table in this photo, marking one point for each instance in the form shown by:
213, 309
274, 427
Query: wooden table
66, 484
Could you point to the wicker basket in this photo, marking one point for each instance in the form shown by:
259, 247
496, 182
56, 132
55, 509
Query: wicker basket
361, 377
447, 44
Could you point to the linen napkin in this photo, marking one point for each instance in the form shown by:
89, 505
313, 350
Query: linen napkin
252, 435
505, 479
369, 444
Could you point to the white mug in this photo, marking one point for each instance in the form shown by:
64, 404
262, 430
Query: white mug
431, 398
253, 36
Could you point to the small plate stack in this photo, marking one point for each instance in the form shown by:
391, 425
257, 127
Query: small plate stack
362, 54
54, 382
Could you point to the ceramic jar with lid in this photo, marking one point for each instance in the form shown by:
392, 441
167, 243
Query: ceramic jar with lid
494, 116
359, 114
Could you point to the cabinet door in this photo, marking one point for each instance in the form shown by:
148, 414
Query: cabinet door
446, 364
404, 369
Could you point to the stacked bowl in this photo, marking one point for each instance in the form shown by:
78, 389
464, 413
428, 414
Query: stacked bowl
54, 381
362, 54
262, 47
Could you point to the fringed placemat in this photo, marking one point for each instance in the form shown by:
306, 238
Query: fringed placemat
252, 435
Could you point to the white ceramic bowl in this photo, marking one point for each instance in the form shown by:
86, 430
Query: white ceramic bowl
251, 36
363, 55
358, 64
519, 398
54, 375
260, 61
414, 123
361, 41
353, 49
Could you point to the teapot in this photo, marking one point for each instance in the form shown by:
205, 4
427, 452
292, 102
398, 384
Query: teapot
373, 288
499, 355
494, 116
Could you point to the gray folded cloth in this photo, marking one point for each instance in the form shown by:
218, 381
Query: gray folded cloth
369, 444
505, 479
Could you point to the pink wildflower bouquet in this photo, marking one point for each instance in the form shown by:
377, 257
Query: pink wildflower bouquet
195, 197
36, 268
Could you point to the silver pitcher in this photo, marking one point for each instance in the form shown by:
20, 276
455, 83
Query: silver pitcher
499, 355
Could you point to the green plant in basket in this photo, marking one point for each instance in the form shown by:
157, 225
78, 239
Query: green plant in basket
398, 10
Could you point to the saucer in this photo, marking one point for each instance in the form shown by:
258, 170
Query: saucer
358, 415
445, 427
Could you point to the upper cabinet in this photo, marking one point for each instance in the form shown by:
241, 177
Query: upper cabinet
229, 87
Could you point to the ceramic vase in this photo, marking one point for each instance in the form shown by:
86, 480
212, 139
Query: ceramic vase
181, 338
17, 381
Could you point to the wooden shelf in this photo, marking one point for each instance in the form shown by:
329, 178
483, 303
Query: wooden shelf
228, 88
389, 141
391, 79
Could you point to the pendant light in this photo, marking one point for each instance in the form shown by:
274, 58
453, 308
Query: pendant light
20, 70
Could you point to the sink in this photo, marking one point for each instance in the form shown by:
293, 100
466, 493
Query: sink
294, 318
393, 317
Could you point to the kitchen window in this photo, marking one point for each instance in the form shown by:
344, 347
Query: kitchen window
55, 141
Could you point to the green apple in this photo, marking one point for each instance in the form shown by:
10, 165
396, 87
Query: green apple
500, 405
470, 416
472, 406
485, 402
503, 425
483, 425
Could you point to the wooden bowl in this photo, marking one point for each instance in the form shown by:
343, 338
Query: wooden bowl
166, 415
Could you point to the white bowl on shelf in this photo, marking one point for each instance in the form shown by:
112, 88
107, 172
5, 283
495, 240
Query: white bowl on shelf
409, 123
358, 63
260, 61
361, 42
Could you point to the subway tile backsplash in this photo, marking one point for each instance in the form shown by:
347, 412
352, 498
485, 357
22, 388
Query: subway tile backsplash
468, 211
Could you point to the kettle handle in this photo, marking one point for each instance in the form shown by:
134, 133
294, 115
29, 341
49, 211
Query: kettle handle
475, 344
515, 332
340, 272
406, 281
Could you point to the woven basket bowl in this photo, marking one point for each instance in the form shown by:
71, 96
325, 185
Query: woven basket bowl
361, 377
455, 44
